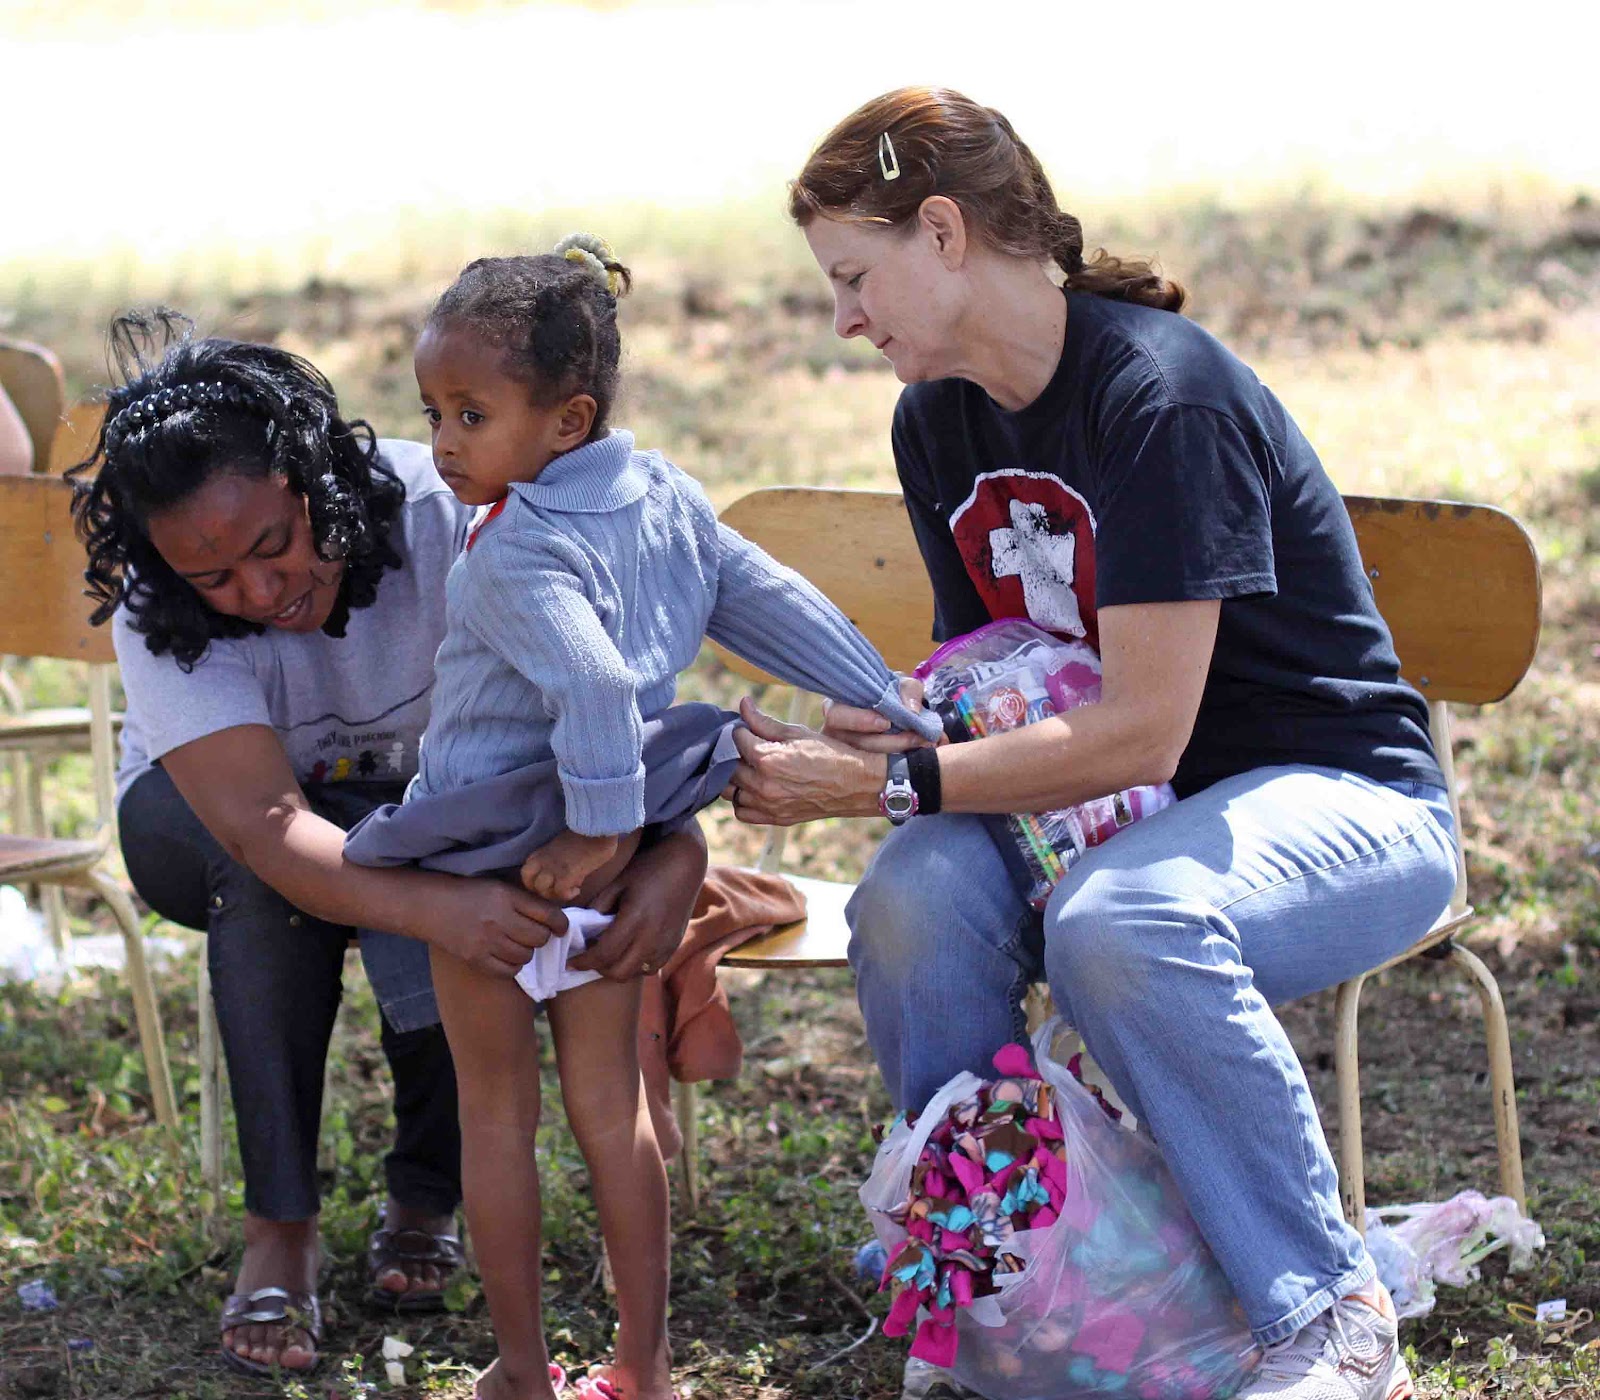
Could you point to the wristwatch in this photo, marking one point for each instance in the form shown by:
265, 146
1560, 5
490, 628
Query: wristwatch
898, 800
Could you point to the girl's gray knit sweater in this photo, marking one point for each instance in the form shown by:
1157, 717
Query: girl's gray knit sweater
572, 613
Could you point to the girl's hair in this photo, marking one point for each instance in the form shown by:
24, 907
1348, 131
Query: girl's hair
943, 143
553, 314
190, 409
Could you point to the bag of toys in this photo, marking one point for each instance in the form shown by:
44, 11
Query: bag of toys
1041, 1251
1010, 673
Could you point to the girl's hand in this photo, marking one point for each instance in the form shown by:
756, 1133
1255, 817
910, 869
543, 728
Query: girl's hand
650, 903
493, 926
788, 773
867, 730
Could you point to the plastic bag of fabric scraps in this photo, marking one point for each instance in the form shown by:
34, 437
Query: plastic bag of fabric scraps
1010, 673
1042, 1252
1418, 1246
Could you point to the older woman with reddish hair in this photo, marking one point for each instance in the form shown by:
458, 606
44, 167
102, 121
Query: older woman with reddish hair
1075, 451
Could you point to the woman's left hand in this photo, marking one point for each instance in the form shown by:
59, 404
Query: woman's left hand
650, 903
789, 774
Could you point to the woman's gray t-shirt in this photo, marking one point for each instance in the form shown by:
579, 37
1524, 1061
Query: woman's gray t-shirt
349, 709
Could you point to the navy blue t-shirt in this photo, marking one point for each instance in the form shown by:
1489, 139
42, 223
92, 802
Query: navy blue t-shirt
1155, 467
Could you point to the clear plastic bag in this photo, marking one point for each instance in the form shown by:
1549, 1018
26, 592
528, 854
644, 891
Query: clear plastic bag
1417, 1247
1010, 673
1118, 1294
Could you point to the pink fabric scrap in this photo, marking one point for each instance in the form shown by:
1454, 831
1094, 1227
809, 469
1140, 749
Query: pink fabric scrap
936, 1339
1111, 1336
1014, 1062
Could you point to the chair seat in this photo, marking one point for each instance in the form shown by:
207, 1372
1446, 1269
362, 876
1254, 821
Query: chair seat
38, 857
818, 940
1443, 927
822, 938
58, 728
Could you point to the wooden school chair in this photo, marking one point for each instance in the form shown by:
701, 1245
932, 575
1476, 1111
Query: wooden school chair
32, 377
43, 613
1457, 584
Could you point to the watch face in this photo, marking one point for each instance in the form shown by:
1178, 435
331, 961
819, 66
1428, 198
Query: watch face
900, 804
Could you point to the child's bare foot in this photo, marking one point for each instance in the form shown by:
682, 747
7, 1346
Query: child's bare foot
558, 868
501, 1382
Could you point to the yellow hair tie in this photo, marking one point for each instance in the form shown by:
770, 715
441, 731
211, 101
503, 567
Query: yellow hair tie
592, 254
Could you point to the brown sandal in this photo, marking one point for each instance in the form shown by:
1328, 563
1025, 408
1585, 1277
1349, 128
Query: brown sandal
272, 1305
396, 1249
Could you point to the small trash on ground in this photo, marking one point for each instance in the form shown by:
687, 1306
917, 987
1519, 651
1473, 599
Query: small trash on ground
38, 1296
870, 1260
1554, 1319
1417, 1247
394, 1353
28, 955
80, 1344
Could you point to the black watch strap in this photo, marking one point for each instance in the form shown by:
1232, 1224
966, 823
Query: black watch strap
922, 766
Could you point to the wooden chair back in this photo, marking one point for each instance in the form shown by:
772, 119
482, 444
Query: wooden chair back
75, 436
858, 548
1457, 584
33, 380
43, 610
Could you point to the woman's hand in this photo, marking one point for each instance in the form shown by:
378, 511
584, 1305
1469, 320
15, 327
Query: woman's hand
867, 730
650, 903
491, 925
789, 774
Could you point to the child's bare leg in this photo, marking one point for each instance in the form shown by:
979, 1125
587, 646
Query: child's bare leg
559, 868
493, 1033
595, 1028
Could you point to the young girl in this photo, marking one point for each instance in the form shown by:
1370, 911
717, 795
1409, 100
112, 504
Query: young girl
587, 584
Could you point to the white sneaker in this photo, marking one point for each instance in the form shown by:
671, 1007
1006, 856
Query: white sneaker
1350, 1352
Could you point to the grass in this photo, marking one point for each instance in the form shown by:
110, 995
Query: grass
1425, 351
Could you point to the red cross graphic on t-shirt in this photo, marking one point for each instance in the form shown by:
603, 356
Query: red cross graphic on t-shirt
1027, 540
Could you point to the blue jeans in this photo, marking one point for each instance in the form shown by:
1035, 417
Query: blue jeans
1167, 948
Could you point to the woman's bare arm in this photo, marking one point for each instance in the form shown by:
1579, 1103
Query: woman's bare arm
1154, 656
239, 783
16, 448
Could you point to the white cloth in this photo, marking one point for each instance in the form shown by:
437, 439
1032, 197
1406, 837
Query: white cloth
546, 974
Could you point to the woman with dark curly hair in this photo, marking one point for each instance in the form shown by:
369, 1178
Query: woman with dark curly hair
275, 577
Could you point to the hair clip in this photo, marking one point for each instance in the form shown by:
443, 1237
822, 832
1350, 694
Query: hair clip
886, 158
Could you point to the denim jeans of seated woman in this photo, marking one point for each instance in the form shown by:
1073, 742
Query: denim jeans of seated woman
1167, 949
276, 978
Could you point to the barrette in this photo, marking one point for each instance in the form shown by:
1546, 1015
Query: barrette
886, 158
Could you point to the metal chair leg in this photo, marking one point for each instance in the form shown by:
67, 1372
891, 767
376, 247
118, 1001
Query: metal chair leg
1503, 1086
686, 1101
146, 1010
1347, 1067
210, 1081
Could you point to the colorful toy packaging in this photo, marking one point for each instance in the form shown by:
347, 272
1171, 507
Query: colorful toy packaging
1010, 673
1042, 1252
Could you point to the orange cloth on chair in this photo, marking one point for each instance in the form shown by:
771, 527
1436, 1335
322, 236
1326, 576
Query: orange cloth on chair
686, 1028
